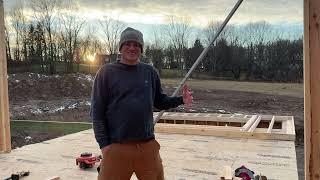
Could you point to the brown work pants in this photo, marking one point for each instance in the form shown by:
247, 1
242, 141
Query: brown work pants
141, 158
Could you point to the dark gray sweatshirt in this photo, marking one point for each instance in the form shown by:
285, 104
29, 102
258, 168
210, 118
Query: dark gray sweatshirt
122, 101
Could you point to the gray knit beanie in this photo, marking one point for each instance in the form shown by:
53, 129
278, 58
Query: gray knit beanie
130, 34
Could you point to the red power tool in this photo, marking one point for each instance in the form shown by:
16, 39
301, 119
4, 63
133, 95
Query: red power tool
86, 160
244, 173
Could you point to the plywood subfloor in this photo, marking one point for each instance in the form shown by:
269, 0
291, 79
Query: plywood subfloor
184, 157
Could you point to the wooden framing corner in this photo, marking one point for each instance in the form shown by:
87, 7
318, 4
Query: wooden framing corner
311, 88
5, 137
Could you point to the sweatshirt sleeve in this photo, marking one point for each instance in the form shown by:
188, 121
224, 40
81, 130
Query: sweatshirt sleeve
162, 101
98, 109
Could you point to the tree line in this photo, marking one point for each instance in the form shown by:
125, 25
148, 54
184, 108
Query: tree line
280, 60
254, 51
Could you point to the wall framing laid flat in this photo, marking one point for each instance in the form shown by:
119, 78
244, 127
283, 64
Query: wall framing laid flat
225, 125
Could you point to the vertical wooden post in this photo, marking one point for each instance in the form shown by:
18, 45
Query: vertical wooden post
5, 137
312, 88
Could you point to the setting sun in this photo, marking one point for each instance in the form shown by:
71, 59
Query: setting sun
91, 57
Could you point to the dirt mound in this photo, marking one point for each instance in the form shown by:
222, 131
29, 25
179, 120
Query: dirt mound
28, 86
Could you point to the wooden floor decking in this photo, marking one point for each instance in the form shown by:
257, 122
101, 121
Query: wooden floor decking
193, 146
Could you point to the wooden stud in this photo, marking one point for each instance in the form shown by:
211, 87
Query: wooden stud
293, 126
5, 137
255, 124
312, 88
236, 178
290, 127
249, 123
54, 178
226, 173
271, 124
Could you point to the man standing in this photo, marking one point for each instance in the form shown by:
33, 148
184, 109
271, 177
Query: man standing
123, 96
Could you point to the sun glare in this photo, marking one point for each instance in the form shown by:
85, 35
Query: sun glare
91, 57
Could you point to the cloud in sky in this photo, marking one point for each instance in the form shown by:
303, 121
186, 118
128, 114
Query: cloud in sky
200, 11
285, 15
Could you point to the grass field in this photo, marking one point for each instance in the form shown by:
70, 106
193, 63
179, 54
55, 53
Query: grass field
46, 127
287, 89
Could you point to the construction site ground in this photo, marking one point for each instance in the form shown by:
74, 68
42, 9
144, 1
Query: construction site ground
67, 98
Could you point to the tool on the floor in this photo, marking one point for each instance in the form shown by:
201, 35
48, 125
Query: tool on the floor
244, 173
86, 160
18, 175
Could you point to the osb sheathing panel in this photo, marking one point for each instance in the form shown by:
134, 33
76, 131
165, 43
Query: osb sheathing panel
184, 157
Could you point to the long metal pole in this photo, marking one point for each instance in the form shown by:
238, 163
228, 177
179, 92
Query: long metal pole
202, 55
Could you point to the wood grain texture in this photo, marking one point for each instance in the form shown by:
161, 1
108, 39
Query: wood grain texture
312, 88
5, 137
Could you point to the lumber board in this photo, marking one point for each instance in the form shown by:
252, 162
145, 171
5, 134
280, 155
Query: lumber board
255, 124
312, 88
204, 118
216, 117
54, 178
249, 123
293, 126
221, 131
290, 127
271, 124
307, 93
197, 118
226, 173
5, 137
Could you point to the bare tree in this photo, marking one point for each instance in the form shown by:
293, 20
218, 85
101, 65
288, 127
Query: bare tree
71, 27
8, 48
90, 44
212, 63
45, 11
178, 32
257, 32
157, 41
228, 33
111, 30
18, 21
86, 41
